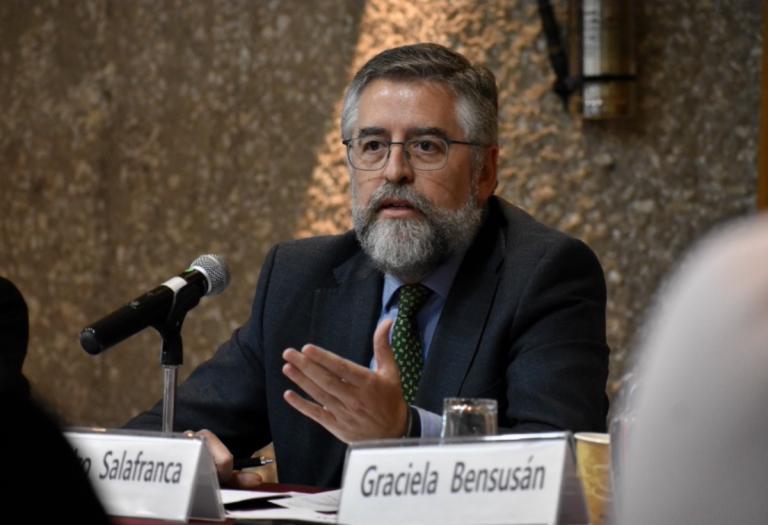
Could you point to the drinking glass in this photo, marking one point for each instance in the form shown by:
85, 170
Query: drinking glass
469, 417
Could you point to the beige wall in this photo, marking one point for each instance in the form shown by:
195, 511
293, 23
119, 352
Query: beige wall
135, 136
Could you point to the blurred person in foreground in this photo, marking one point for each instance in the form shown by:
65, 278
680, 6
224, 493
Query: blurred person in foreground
14, 328
697, 448
32, 440
441, 289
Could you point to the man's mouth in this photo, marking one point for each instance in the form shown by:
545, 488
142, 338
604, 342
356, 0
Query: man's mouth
396, 208
396, 204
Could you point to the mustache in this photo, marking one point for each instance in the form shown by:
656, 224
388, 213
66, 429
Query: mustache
389, 191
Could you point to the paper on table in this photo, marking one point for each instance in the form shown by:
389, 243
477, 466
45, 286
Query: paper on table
321, 502
283, 514
233, 496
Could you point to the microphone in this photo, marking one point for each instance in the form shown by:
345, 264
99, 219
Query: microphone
208, 275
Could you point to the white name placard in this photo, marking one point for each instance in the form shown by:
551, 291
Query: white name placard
150, 475
521, 479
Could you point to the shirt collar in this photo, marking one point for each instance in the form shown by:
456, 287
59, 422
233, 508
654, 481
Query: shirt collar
439, 281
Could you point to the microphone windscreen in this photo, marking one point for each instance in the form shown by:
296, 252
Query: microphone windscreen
215, 270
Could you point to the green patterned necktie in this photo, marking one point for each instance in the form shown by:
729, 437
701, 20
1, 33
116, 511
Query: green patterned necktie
406, 341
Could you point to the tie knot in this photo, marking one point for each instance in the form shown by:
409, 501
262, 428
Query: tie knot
412, 297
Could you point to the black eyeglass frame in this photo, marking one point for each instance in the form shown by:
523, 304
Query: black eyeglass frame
448, 142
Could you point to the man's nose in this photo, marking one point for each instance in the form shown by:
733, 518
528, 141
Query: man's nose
398, 170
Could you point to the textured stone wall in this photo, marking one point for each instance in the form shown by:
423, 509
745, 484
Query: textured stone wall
135, 136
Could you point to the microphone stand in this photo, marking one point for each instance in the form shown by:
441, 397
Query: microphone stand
172, 353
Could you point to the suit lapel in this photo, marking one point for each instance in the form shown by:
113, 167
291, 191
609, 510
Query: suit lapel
463, 320
343, 316
344, 311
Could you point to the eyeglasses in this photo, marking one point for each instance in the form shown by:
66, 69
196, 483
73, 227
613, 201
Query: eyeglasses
425, 153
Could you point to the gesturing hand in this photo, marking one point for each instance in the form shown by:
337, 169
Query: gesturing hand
351, 401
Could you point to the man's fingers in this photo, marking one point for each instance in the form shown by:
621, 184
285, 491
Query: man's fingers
321, 393
325, 418
222, 457
312, 410
335, 365
382, 351
245, 480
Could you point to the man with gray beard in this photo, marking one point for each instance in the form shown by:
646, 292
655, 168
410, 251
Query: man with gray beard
441, 290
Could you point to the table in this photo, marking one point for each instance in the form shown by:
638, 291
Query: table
267, 487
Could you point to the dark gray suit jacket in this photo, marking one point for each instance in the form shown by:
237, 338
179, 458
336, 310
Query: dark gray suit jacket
524, 323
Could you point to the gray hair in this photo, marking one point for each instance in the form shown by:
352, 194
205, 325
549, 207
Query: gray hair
474, 86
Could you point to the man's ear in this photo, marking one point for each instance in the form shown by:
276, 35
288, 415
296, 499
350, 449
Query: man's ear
488, 174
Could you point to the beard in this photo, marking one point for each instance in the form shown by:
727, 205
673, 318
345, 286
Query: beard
412, 248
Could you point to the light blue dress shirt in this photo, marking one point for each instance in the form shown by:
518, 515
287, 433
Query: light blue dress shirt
440, 282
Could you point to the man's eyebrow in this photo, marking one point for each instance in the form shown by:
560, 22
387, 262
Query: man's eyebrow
367, 132
410, 132
437, 132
